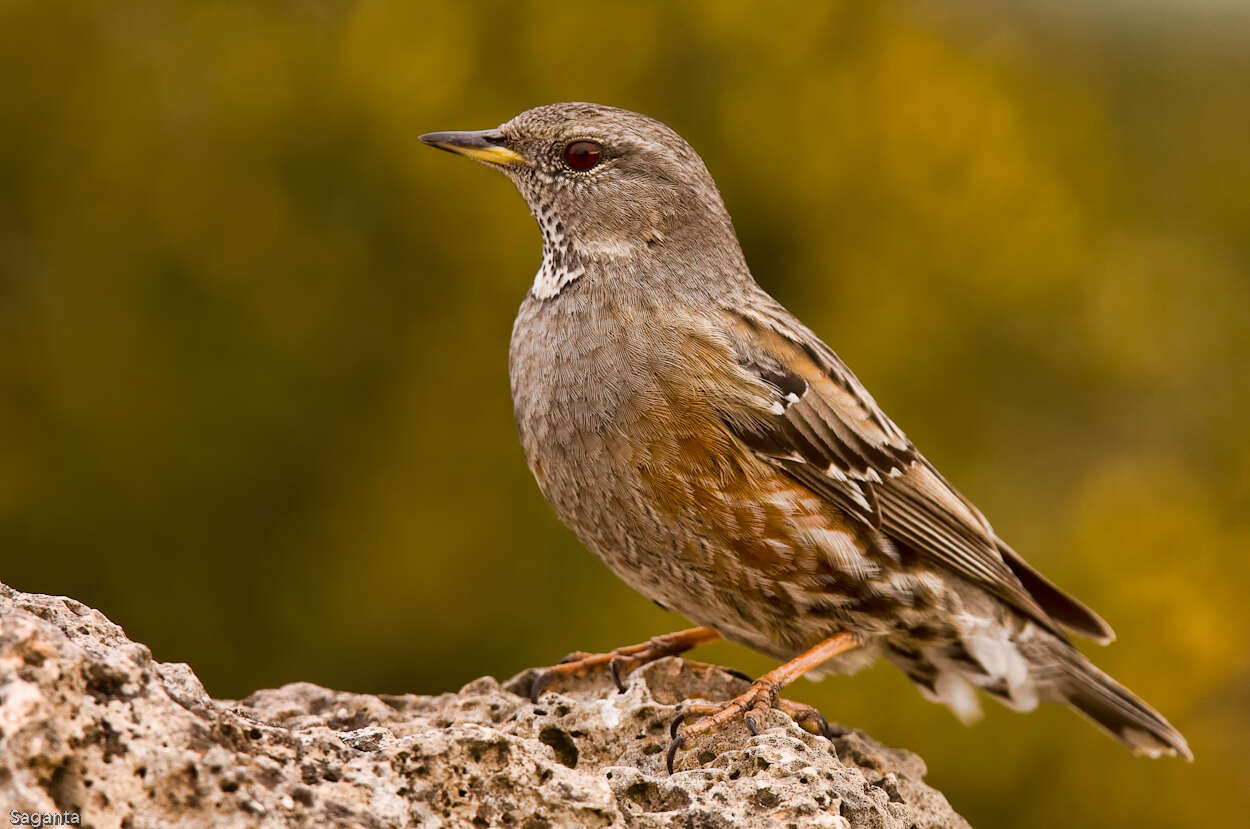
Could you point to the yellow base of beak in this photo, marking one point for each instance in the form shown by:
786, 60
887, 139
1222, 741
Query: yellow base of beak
491, 155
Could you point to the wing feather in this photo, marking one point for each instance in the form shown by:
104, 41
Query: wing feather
819, 425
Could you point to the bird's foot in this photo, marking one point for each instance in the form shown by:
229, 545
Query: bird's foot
763, 695
622, 660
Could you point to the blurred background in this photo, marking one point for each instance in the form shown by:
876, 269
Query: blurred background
253, 388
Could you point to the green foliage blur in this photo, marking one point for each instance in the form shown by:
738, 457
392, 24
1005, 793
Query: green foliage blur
253, 386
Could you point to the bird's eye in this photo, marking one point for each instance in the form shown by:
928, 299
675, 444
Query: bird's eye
582, 155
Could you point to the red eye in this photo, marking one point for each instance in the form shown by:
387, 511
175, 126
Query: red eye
582, 155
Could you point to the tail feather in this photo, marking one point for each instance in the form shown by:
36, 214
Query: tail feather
1021, 666
1063, 608
1117, 710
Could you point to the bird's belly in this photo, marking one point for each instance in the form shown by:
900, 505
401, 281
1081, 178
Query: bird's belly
774, 574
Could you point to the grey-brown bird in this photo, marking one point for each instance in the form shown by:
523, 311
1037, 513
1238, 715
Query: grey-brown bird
724, 462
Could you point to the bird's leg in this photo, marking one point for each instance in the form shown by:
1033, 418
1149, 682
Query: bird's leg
580, 663
762, 695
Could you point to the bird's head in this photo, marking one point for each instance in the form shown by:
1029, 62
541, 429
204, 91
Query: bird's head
607, 182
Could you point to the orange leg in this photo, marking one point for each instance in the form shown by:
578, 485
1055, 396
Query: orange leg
763, 694
579, 664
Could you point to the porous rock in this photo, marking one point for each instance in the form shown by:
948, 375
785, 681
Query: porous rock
91, 725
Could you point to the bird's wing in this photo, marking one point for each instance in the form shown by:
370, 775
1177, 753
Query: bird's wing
820, 425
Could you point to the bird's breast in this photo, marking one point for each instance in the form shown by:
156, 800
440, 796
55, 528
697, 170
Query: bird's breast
621, 424
603, 396
575, 370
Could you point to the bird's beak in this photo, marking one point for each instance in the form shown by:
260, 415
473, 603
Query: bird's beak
480, 145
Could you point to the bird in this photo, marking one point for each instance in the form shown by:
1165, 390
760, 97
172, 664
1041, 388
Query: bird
724, 462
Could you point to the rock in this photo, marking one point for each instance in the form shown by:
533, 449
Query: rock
90, 724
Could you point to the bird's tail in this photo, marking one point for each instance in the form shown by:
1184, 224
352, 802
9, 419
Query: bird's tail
1023, 665
1114, 708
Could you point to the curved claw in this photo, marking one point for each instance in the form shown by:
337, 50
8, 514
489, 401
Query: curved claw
737, 674
540, 684
614, 669
752, 725
833, 732
677, 721
670, 753
808, 718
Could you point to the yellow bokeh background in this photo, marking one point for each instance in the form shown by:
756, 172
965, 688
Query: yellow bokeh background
254, 400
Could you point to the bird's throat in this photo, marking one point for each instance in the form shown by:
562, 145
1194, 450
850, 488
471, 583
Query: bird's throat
560, 268
561, 265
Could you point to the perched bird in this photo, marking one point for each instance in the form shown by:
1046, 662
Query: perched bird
724, 462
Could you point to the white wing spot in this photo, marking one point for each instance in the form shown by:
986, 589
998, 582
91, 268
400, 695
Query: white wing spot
835, 472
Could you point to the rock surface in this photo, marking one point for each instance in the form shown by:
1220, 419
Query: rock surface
90, 724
